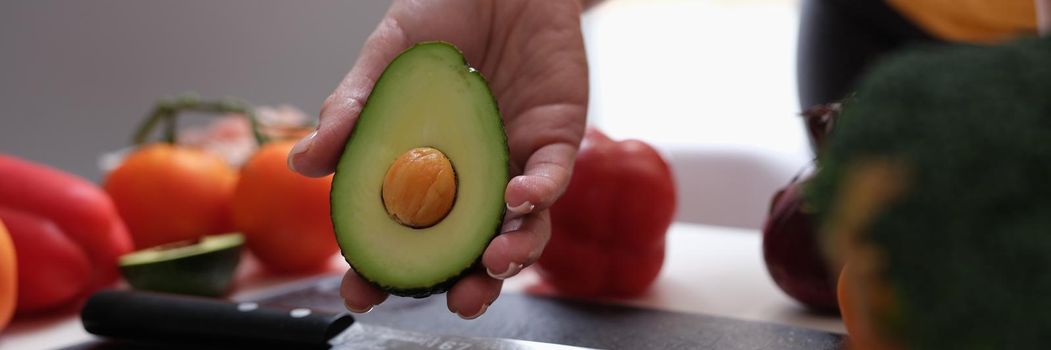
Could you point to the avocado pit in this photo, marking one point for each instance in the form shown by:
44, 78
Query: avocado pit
419, 188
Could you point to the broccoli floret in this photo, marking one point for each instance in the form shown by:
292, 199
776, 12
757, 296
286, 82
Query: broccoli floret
967, 247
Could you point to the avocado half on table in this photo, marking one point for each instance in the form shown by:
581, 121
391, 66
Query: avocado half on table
197, 267
419, 190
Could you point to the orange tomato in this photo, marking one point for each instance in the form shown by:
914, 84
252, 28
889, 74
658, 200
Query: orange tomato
283, 215
168, 193
8, 277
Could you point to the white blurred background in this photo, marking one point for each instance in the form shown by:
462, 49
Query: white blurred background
710, 82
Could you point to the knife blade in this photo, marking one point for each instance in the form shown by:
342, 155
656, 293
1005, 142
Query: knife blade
167, 318
372, 337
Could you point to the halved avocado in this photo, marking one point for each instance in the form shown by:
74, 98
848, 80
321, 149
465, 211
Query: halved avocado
204, 267
419, 190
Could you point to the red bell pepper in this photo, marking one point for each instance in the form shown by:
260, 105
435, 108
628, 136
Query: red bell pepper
52, 269
75, 207
608, 229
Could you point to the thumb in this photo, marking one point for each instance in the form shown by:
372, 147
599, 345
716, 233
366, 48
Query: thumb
317, 154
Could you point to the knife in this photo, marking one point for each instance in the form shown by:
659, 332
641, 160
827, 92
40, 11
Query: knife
168, 318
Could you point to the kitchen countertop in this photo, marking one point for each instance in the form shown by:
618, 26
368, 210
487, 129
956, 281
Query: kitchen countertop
712, 270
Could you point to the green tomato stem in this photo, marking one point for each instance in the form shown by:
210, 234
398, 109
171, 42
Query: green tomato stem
167, 111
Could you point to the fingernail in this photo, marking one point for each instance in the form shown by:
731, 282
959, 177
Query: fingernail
358, 310
301, 147
521, 209
479, 313
512, 269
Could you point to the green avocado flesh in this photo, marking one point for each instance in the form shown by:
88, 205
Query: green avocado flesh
427, 97
205, 267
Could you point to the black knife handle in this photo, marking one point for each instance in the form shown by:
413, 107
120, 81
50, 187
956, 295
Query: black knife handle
166, 317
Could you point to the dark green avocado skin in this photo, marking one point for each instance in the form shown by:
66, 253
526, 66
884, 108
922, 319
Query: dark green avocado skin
439, 288
445, 285
209, 274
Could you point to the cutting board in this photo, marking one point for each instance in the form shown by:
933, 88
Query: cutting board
562, 321
579, 323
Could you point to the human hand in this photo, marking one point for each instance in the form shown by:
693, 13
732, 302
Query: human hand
1043, 16
532, 55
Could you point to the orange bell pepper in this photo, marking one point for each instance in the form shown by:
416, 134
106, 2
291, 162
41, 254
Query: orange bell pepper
8, 277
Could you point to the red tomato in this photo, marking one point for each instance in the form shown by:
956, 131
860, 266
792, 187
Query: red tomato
608, 229
283, 215
52, 269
